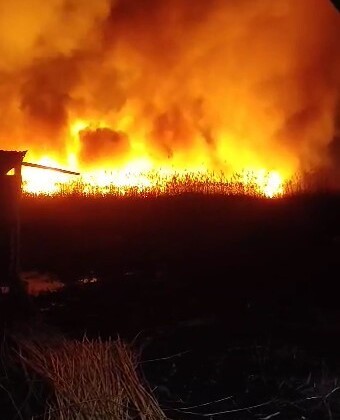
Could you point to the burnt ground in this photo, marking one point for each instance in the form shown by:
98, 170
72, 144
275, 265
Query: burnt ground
237, 296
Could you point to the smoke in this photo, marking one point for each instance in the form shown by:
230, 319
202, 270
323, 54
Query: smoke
36, 29
219, 83
102, 141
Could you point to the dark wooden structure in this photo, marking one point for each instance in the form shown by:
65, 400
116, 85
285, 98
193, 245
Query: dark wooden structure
10, 194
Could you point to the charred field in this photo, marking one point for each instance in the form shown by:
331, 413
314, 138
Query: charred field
227, 298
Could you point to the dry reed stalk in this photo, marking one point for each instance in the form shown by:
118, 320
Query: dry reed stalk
209, 183
91, 379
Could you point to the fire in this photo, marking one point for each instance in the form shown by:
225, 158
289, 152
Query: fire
266, 183
269, 183
47, 182
138, 173
158, 96
274, 186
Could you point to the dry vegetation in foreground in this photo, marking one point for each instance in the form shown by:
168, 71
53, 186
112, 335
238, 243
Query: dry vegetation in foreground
89, 379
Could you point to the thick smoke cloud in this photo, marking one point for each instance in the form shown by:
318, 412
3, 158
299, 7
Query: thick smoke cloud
219, 82
41, 45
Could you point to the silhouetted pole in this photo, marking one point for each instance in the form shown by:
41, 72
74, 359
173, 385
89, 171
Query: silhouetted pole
50, 168
15, 234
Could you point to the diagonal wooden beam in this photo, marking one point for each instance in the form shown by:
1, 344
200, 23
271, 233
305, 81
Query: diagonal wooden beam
50, 168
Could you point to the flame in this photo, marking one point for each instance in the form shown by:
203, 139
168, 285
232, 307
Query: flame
269, 183
47, 182
139, 172
173, 95
274, 185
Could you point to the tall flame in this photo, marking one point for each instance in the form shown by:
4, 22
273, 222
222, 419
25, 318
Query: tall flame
135, 93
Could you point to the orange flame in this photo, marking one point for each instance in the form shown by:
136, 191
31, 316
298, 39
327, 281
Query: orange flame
137, 95
139, 172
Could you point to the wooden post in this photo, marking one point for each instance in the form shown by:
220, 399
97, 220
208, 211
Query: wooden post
15, 232
10, 196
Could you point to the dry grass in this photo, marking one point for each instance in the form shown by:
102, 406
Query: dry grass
193, 183
207, 183
91, 379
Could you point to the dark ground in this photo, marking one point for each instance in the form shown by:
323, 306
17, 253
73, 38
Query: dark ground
242, 293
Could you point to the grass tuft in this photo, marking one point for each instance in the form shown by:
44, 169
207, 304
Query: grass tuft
90, 379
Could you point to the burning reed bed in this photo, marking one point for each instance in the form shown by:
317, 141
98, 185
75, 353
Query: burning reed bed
154, 185
87, 379
211, 183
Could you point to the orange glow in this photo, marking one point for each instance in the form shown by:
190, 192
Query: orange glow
172, 95
138, 173
43, 182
